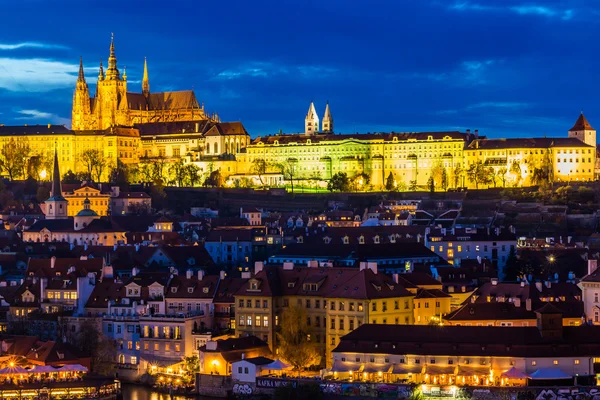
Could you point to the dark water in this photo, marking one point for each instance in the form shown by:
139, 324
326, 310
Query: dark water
135, 392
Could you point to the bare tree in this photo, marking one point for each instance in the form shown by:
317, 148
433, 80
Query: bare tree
94, 163
13, 157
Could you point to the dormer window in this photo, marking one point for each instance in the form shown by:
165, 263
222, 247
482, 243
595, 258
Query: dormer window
173, 290
253, 285
205, 290
310, 287
376, 239
361, 240
326, 239
291, 284
190, 290
346, 240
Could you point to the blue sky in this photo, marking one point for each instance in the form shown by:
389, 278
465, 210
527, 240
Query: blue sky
508, 68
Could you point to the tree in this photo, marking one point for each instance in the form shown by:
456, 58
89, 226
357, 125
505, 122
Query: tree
431, 184
511, 268
515, 169
360, 181
13, 157
70, 177
338, 182
101, 349
120, 176
389, 182
214, 179
478, 174
191, 366
34, 167
259, 168
158, 195
444, 179
94, 162
295, 346
458, 175
502, 175
413, 186
491, 175
288, 170
177, 171
192, 174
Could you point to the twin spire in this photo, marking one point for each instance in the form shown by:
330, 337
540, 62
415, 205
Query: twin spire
311, 121
112, 72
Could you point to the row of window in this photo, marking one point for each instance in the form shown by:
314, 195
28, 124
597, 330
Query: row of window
259, 320
64, 296
257, 303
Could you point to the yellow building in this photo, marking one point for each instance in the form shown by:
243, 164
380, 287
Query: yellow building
114, 105
98, 200
336, 301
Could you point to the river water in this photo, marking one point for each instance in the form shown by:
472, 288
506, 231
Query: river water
136, 392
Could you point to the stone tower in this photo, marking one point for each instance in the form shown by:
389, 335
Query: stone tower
327, 120
109, 109
56, 205
82, 110
583, 131
311, 122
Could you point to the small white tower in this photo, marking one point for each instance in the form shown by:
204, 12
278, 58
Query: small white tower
327, 120
56, 205
583, 131
311, 122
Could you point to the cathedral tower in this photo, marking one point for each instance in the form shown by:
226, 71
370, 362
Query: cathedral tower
311, 122
82, 110
110, 105
56, 205
583, 131
327, 120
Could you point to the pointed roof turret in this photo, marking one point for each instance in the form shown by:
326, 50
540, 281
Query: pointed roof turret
145, 81
81, 76
56, 193
312, 112
327, 111
101, 72
112, 72
582, 124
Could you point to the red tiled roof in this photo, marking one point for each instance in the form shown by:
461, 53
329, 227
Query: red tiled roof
581, 124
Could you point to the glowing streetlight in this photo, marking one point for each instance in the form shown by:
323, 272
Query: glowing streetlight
43, 174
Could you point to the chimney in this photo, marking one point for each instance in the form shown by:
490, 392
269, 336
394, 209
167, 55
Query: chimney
539, 286
494, 281
134, 271
373, 267
313, 264
200, 274
528, 304
522, 283
189, 273
592, 265
548, 284
114, 247
396, 278
243, 356
245, 275
288, 266
222, 275
52, 261
258, 266
517, 302
363, 265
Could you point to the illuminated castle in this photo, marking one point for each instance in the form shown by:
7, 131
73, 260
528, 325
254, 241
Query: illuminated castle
113, 105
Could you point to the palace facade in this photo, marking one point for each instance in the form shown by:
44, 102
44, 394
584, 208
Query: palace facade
164, 127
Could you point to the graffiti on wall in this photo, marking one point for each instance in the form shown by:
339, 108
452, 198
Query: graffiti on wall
242, 388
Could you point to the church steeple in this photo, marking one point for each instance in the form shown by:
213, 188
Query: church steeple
112, 73
145, 82
56, 205
81, 76
311, 121
101, 72
327, 120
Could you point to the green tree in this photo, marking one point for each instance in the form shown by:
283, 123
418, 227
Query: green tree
94, 163
389, 182
214, 179
177, 171
502, 175
295, 346
70, 177
192, 174
458, 175
101, 349
338, 182
431, 184
413, 186
515, 169
444, 179
13, 157
478, 174
288, 170
360, 182
34, 167
259, 168
191, 366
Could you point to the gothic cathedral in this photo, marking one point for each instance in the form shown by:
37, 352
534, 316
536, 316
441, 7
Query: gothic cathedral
113, 105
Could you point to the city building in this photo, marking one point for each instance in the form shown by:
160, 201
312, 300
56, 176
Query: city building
468, 355
217, 356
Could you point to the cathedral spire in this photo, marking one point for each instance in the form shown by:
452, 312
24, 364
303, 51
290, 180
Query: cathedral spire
112, 73
81, 76
311, 121
101, 72
145, 82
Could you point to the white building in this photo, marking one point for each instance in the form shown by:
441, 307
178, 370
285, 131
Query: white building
590, 292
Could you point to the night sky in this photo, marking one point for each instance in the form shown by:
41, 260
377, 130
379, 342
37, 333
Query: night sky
508, 68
